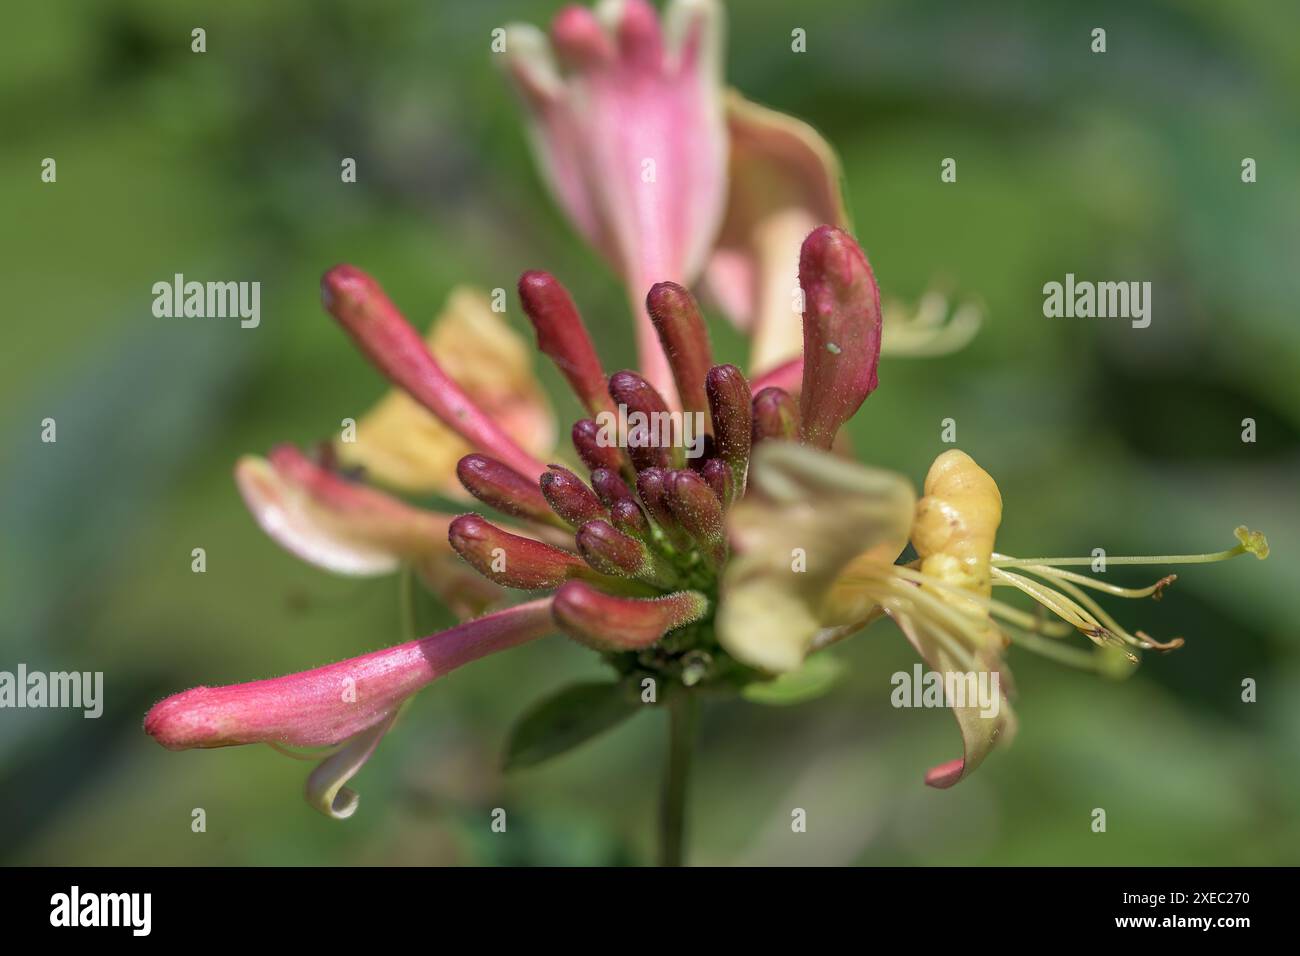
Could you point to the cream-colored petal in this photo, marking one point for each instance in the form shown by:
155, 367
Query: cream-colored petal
980, 731
325, 785
348, 528
808, 516
402, 445
931, 327
784, 182
334, 523
956, 523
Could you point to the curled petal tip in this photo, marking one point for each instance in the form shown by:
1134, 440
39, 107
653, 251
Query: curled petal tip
945, 774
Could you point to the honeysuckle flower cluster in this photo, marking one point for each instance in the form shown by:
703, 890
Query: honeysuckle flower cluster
718, 573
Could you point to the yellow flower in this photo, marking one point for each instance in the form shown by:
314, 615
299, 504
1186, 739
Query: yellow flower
818, 541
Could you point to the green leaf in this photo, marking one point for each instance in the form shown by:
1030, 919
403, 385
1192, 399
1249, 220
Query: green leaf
571, 717
817, 676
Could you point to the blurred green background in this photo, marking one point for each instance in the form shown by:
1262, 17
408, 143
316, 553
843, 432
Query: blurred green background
226, 165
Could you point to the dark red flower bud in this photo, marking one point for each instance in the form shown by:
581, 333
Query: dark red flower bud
510, 559
697, 509
775, 416
718, 475
563, 338
708, 449
569, 496
685, 340
626, 515
610, 488
610, 551
652, 486
729, 406
500, 486
595, 454
646, 411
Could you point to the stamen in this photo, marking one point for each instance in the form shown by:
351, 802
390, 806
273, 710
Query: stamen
1057, 603
1100, 613
1014, 615
1252, 542
1170, 645
1154, 591
1066, 654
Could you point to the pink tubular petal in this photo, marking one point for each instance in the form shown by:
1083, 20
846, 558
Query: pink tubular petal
330, 704
639, 41
841, 333
579, 38
633, 143
788, 376
401, 355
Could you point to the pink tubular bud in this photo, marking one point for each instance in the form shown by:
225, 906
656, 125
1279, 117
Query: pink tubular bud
611, 623
570, 497
500, 486
400, 354
841, 333
562, 336
327, 705
775, 416
510, 559
681, 330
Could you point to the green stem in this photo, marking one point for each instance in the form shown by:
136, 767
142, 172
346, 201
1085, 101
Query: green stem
681, 741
